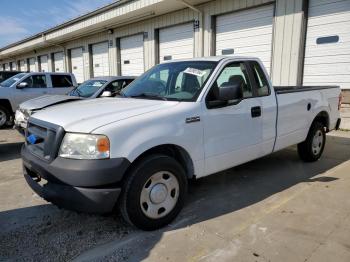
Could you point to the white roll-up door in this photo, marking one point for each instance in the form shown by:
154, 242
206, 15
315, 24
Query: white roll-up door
176, 42
22, 65
246, 33
44, 65
327, 54
13, 66
100, 59
7, 67
77, 62
131, 55
58, 62
32, 64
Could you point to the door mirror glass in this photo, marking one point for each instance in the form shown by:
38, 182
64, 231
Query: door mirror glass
22, 85
106, 94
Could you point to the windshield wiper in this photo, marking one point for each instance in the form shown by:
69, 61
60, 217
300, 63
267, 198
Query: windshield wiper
149, 95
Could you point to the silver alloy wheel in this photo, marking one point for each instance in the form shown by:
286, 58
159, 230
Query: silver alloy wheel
317, 142
3, 117
159, 195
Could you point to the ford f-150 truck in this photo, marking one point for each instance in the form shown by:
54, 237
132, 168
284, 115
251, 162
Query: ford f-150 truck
180, 120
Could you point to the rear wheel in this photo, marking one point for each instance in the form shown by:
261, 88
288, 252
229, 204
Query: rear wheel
4, 116
154, 192
312, 148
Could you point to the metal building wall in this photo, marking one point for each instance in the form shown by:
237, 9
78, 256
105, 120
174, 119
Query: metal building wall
289, 37
288, 41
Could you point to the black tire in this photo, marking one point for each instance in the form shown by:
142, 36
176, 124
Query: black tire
305, 149
137, 178
4, 111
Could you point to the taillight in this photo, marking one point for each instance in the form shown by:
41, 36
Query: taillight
340, 100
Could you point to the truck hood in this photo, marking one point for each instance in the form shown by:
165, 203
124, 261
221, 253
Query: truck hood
88, 115
45, 101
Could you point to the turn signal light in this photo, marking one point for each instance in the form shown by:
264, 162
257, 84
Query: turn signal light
103, 145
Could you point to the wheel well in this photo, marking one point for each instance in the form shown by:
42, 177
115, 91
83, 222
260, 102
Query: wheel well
323, 118
177, 152
6, 103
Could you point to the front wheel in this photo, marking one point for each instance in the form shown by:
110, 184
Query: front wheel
154, 192
4, 116
312, 148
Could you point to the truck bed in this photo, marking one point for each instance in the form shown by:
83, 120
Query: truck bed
298, 106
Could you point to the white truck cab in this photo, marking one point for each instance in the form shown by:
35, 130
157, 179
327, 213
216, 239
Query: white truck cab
178, 121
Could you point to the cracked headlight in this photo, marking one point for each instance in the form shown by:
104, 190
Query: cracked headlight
19, 116
84, 146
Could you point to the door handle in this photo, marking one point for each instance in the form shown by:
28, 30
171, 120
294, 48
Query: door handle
256, 111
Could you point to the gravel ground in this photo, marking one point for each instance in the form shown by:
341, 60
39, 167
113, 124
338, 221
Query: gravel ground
61, 236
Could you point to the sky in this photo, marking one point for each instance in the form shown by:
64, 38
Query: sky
22, 18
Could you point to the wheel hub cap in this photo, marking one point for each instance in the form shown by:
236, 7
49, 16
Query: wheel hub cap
2, 118
317, 142
159, 193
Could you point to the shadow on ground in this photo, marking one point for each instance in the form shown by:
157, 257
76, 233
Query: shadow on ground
10, 151
47, 233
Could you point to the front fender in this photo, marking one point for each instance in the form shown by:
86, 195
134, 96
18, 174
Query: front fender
132, 137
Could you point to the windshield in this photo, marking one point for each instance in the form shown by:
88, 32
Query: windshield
9, 82
177, 81
88, 88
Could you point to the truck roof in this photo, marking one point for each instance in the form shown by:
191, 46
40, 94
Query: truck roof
214, 58
111, 78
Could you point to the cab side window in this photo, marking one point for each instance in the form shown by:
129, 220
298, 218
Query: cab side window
36, 81
60, 81
260, 79
115, 87
230, 74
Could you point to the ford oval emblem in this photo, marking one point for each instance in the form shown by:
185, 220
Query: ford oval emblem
32, 139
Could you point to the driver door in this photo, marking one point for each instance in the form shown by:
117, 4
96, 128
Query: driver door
36, 86
231, 133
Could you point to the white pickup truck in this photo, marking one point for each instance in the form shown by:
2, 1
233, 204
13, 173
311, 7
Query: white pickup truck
180, 120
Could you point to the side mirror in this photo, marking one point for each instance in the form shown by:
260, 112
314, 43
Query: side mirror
106, 94
22, 85
229, 91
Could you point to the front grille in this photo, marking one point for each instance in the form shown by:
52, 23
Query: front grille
43, 139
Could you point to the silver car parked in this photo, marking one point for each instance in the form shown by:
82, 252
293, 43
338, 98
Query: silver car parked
108, 86
25, 86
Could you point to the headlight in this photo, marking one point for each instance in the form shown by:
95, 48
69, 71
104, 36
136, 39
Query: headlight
84, 146
19, 117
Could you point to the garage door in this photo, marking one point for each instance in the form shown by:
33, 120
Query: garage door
131, 55
22, 65
176, 42
327, 54
32, 64
58, 62
100, 60
44, 65
13, 66
7, 67
246, 33
77, 62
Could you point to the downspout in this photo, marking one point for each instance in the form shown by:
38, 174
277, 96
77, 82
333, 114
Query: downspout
201, 26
